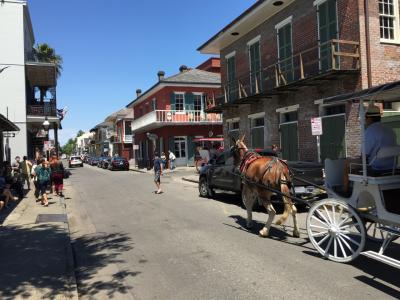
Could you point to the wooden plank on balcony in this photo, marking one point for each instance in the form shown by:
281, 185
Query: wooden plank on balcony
346, 54
345, 42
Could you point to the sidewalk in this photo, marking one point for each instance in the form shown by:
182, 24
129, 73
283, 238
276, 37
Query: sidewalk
35, 252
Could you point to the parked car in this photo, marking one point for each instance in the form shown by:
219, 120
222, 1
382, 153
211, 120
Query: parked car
118, 163
100, 161
220, 174
94, 161
75, 161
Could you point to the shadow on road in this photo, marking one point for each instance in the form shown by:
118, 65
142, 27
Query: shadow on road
33, 257
96, 257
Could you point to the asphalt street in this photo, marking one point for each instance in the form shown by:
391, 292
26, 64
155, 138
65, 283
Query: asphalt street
130, 243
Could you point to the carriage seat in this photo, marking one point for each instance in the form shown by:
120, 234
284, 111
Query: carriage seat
385, 152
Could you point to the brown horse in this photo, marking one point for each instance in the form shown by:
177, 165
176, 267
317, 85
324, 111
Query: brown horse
269, 171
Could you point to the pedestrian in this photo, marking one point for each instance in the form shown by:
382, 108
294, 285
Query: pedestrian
26, 168
163, 160
172, 158
57, 176
34, 179
157, 172
43, 173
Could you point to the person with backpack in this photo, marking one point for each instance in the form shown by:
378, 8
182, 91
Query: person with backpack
43, 174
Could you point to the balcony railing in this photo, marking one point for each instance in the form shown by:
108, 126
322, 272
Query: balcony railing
329, 57
176, 117
43, 110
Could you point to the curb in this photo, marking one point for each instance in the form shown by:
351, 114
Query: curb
138, 171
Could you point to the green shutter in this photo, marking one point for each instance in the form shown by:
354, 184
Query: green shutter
289, 141
191, 147
189, 101
172, 101
327, 20
285, 52
333, 137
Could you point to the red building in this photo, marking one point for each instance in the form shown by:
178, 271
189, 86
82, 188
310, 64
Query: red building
171, 114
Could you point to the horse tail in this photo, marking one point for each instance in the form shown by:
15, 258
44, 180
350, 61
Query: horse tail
288, 204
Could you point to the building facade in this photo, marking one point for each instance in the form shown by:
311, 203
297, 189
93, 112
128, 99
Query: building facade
171, 114
279, 58
27, 86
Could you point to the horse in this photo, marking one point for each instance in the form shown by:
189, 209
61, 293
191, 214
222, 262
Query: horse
269, 171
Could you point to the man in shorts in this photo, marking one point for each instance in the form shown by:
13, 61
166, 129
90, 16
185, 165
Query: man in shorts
158, 168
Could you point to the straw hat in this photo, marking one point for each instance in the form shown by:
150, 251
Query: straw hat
373, 111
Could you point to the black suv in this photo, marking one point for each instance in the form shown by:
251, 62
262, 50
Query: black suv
220, 174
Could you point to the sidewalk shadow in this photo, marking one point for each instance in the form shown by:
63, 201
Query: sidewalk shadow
32, 258
93, 256
5, 212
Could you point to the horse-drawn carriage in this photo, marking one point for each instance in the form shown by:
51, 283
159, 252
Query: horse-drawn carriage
339, 225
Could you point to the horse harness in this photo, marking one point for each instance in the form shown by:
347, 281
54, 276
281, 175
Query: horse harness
251, 156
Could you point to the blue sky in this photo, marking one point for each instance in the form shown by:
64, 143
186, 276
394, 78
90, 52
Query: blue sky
111, 48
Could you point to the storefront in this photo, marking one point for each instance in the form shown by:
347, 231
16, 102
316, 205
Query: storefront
7, 131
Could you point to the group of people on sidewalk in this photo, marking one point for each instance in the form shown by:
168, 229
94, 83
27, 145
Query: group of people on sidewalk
46, 175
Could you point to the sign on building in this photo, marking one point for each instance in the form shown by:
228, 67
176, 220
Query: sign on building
316, 126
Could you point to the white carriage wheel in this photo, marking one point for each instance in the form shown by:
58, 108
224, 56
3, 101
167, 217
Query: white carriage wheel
335, 230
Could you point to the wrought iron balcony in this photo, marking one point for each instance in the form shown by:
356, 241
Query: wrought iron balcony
175, 117
325, 61
47, 109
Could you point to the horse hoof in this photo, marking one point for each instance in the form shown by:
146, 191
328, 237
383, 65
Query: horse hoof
296, 234
263, 232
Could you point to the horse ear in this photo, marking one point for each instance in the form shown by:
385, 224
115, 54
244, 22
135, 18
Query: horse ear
242, 139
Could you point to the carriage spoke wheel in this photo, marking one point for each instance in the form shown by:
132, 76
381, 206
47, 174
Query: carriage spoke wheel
335, 230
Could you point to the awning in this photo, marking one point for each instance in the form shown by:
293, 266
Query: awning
208, 140
7, 125
389, 92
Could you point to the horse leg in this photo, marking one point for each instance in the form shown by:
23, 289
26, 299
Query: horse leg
271, 215
296, 232
248, 201
287, 205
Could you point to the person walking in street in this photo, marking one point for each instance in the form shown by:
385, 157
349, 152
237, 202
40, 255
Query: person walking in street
43, 173
157, 172
171, 158
26, 167
34, 179
57, 176
16, 165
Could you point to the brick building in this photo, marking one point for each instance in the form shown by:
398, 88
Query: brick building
171, 114
279, 58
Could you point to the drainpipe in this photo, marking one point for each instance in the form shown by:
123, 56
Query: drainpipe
367, 42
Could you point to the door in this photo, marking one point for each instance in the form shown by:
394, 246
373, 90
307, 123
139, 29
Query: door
285, 54
198, 106
333, 137
180, 150
327, 28
289, 141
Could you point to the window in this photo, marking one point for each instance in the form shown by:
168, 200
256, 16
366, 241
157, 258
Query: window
180, 147
154, 104
231, 77
128, 128
388, 19
233, 129
289, 117
335, 110
257, 132
255, 65
197, 102
285, 50
179, 102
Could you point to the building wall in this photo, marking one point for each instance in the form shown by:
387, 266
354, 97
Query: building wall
14, 40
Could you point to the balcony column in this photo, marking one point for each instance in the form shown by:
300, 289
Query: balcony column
56, 137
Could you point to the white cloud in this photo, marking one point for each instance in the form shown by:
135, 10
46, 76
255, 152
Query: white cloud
65, 134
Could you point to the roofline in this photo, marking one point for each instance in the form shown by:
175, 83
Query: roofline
166, 84
235, 21
9, 123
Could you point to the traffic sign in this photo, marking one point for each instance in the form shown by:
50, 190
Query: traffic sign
316, 126
8, 134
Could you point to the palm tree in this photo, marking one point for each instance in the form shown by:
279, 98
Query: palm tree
45, 53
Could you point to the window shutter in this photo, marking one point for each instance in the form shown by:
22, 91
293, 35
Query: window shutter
189, 101
172, 101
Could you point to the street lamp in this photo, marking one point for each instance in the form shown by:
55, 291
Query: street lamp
46, 124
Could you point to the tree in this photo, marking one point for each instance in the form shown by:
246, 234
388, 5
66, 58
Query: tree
70, 146
45, 53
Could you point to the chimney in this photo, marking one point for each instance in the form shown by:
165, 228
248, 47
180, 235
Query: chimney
160, 75
138, 93
183, 68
